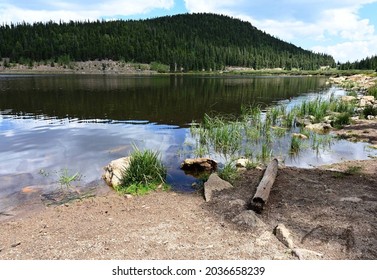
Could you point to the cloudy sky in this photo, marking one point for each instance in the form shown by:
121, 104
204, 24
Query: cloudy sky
345, 29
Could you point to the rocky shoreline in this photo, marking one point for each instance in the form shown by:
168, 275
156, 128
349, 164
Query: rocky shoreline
359, 83
87, 67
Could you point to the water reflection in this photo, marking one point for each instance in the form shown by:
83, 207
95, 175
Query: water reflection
173, 100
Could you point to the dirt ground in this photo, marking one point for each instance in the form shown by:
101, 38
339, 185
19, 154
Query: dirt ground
330, 210
361, 130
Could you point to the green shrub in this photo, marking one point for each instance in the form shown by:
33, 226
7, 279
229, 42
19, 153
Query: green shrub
373, 91
145, 173
342, 119
369, 110
159, 67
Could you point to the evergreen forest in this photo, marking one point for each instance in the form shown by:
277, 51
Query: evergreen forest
187, 42
369, 63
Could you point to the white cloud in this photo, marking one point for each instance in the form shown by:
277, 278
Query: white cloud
332, 26
67, 10
350, 51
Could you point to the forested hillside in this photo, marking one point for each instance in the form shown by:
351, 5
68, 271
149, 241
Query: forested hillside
185, 42
369, 63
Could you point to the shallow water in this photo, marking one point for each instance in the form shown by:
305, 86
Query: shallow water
80, 123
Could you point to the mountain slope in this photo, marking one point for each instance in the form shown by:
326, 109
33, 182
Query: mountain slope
187, 41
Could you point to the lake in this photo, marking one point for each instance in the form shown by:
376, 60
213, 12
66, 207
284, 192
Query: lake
80, 123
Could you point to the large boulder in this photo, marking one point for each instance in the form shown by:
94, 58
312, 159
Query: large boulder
214, 183
114, 170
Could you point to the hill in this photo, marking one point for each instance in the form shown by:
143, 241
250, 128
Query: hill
184, 42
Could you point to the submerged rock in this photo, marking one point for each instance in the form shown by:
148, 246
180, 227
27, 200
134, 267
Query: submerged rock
319, 127
300, 136
114, 170
303, 121
197, 165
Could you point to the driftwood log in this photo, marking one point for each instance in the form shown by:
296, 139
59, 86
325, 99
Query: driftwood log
263, 191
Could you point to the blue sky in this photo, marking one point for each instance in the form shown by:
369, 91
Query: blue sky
346, 29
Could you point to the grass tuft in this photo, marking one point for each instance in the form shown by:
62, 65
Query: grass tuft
353, 170
145, 173
229, 173
66, 179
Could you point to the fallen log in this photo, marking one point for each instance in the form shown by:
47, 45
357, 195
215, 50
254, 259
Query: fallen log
263, 190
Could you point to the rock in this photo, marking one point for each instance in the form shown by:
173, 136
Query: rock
30, 189
368, 98
242, 162
319, 127
284, 236
348, 98
328, 119
114, 171
248, 218
238, 204
299, 135
303, 122
214, 183
304, 254
351, 199
199, 165
362, 103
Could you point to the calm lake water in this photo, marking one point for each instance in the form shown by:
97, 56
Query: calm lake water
80, 123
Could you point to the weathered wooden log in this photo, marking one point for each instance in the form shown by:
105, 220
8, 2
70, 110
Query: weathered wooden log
263, 191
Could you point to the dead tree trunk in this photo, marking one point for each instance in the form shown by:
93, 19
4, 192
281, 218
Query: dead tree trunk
263, 191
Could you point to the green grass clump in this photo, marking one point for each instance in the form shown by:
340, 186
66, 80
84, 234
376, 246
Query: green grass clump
369, 111
373, 91
222, 134
296, 145
145, 173
342, 119
229, 173
353, 170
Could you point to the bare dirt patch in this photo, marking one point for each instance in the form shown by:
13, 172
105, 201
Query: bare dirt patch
330, 212
156, 226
